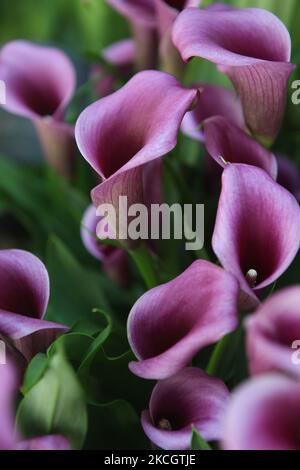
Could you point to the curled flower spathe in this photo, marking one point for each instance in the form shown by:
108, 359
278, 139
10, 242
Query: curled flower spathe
24, 294
213, 101
189, 398
257, 230
123, 134
273, 334
250, 45
263, 414
40, 82
169, 324
114, 259
227, 143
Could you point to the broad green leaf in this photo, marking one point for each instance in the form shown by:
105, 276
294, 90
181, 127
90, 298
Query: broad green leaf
114, 426
34, 372
75, 346
75, 290
55, 405
197, 442
109, 378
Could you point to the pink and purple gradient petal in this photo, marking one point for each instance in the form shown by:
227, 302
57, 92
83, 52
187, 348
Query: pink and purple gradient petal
227, 143
213, 101
271, 333
257, 230
250, 45
134, 126
24, 295
263, 414
40, 81
189, 398
169, 324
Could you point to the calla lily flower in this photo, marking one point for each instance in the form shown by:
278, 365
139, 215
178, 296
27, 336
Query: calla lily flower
226, 143
114, 259
123, 134
263, 414
40, 82
171, 323
167, 12
9, 438
257, 230
288, 175
142, 18
213, 101
189, 398
24, 294
250, 45
272, 333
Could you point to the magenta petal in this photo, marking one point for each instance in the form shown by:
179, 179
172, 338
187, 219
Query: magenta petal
39, 80
253, 47
189, 398
263, 414
130, 128
213, 101
8, 385
257, 226
223, 139
30, 335
166, 326
24, 283
121, 53
272, 331
52, 442
142, 11
114, 259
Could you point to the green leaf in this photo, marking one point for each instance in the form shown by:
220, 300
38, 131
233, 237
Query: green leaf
109, 378
114, 425
55, 404
75, 346
75, 290
197, 442
34, 371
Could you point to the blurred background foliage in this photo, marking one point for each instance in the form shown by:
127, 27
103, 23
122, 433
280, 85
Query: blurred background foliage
42, 213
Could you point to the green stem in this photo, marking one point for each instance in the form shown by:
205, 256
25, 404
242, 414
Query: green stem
145, 264
217, 355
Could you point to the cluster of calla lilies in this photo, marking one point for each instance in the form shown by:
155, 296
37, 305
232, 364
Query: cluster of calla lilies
124, 136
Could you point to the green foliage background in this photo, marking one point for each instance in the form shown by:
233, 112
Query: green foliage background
100, 405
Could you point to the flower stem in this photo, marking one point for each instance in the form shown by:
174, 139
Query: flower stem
144, 261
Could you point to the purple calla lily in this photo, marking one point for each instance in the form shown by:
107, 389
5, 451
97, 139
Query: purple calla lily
250, 45
213, 101
169, 324
257, 230
263, 414
114, 259
272, 332
142, 18
226, 143
189, 398
24, 293
9, 438
40, 82
123, 134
